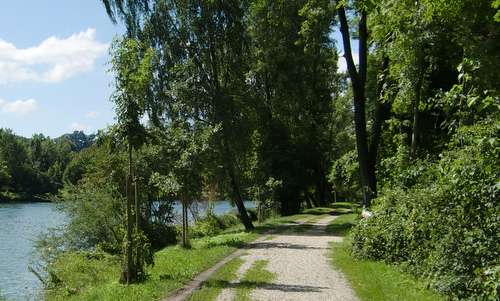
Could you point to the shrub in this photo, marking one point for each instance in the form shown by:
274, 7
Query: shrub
208, 226
228, 220
212, 224
446, 229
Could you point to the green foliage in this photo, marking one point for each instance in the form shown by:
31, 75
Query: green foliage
94, 217
32, 167
212, 224
344, 173
208, 226
94, 203
496, 4
131, 63
371, 280
446, 227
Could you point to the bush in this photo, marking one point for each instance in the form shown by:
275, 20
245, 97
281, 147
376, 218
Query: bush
212, 224
160, 235
228, 220
208, 226
445, 230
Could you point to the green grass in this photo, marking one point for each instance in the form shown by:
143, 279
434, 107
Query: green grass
341, 225
374, 280
212, 288
97, 279
89, 277
254, 277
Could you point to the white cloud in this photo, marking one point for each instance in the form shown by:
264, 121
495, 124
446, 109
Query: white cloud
92, 114
18, 107
53, 60
76, 126
342, 63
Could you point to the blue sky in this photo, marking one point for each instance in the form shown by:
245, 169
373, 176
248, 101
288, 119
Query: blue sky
53, 56
53, 66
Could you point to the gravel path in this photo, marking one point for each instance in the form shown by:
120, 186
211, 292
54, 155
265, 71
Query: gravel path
301, 265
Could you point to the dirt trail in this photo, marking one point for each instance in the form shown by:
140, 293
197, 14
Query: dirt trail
302, 267
300, 261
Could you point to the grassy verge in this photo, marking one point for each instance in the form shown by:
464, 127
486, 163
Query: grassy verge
97, 279
256, 276
371, 280
212, 288
83, 276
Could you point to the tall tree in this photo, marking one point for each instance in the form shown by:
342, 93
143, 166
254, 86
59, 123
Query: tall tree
293, 79
358, 82
131, 64
203, 44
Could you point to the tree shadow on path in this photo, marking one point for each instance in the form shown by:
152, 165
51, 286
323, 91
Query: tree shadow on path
269, 286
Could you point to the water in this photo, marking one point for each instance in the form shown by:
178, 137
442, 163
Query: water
220, 207
20, 225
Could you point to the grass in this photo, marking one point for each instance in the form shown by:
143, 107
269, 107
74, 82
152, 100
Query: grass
341, 225
225, 277
374, 280
255, 276
211, 289
88, 277
97, 279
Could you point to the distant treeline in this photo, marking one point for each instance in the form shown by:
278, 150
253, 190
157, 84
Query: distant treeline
36, 166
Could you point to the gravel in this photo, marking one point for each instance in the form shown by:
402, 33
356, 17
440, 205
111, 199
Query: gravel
301, 264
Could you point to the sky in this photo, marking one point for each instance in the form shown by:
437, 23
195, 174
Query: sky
53, 66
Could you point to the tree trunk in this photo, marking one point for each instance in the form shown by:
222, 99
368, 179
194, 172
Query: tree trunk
138, 253
185, 242
416, 117
129, 269
235, 187
382, 111
358, 86
238, 200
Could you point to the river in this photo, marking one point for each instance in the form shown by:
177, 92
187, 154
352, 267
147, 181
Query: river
20, 225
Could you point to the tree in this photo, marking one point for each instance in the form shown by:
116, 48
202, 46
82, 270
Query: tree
358, 82
182, 178
131, 64
292, 76
205, 50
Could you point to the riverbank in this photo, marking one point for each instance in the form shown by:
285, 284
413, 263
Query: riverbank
94, 276
14, 197
91, 276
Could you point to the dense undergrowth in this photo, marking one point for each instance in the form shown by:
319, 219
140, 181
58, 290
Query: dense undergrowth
441, 221
373, 280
